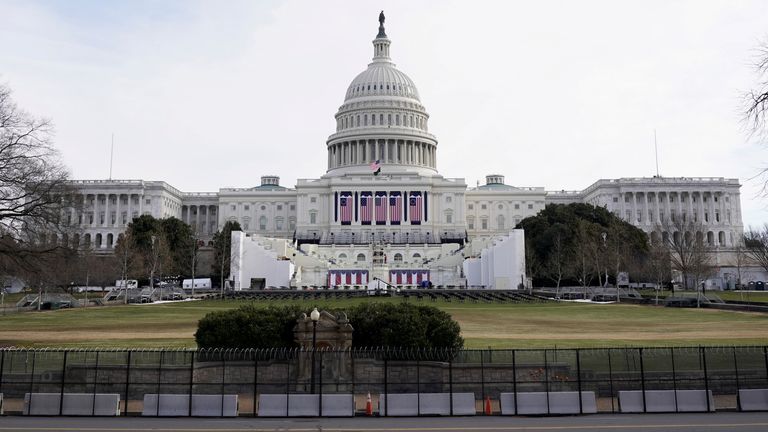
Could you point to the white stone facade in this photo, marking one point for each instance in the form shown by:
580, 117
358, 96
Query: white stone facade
408, 213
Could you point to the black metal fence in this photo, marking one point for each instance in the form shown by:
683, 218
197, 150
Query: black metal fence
250, 372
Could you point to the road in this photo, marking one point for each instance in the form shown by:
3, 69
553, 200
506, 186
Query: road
722, 421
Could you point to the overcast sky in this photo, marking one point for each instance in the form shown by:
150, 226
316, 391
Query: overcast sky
210, 94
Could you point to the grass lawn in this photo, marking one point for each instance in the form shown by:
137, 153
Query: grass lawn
747, 296
541, 325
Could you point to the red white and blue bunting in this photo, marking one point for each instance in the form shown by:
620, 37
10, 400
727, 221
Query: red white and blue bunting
408, 277
347, 277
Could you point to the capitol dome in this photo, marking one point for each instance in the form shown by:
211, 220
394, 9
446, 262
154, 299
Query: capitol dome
382, 119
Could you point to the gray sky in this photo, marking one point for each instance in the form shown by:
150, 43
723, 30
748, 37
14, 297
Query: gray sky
209, 94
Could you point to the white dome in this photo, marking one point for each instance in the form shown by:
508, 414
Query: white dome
382, 79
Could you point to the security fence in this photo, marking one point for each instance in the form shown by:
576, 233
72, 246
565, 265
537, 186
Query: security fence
131, 375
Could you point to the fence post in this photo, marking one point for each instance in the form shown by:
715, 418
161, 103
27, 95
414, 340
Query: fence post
159, 376
127, 381
255, 380
288, 378
450, 382
482, 380
514, 380
2, 365
610, 381
674, 376
738, 386
642, 379
546, 378
418, 385
223, 382
706, 375
63, 381
320, 382
32, 380
95, 383
191, 380
578, 379
765, 358
386, 392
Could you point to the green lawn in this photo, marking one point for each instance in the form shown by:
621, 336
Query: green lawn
747, 296
540, 325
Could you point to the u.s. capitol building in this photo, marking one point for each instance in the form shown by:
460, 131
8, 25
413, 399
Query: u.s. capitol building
408, 217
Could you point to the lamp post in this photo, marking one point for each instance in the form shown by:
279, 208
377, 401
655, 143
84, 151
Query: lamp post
314, 316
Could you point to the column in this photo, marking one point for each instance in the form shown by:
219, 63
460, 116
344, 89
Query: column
385, 159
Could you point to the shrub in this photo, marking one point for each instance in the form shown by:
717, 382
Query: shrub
375, 325
248, 327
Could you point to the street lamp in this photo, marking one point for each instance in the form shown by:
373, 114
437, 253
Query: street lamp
314, 316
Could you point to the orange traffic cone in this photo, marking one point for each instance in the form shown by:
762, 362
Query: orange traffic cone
369, 406
488, 405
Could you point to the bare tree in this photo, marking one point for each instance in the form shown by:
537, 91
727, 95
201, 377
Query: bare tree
689, 253
756, 245
128, 259
583, 254
658, 265
157, 257
557, 262
34, 193
757, 98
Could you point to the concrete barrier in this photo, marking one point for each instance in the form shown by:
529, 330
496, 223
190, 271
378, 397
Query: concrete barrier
1, 404
73, 404
399, 404
749, 400
661, 401
306, 405
178, 405
440, 404
546, 403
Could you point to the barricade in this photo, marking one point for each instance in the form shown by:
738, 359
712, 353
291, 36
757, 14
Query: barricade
548, 403
73, 404
306, 405
749, 400
415, 404
178, 405
665, 401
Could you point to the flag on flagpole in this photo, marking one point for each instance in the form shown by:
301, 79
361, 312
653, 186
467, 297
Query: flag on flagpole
395, 208
376, 167
381, 208
414, 205
345, 202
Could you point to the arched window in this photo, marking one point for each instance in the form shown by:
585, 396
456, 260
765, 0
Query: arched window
416, 255
110, 240
98, 240
398, 258
710, 238
360, 257
342, 256
721, 238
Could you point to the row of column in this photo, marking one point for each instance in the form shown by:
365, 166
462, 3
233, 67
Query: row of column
208, 217
386, 151
118, 207
644, 205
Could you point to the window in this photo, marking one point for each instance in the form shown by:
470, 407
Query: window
234, 207
263, 208
484, 224
263, 223
342, 256
470, 206
501, 207
705, 199
483, 207
448, 199
398, 258
293, 207
626, 198
671, 199
246, 207
278, 224
313, 218
279, 206
291, 224
448, 218
360, 257
717, 216
313, 200
471, 225
672, 215
715, 199
530, 206
615, 199
683, 214
500, 222
245, 225
639, 216
101, 218
706, 217
650, 216
517, 206
628, 215
148, 201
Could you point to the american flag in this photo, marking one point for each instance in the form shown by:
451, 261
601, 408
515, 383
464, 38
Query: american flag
365, 209
381, 208
414, 206
395, 208
376, 167
345, 203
